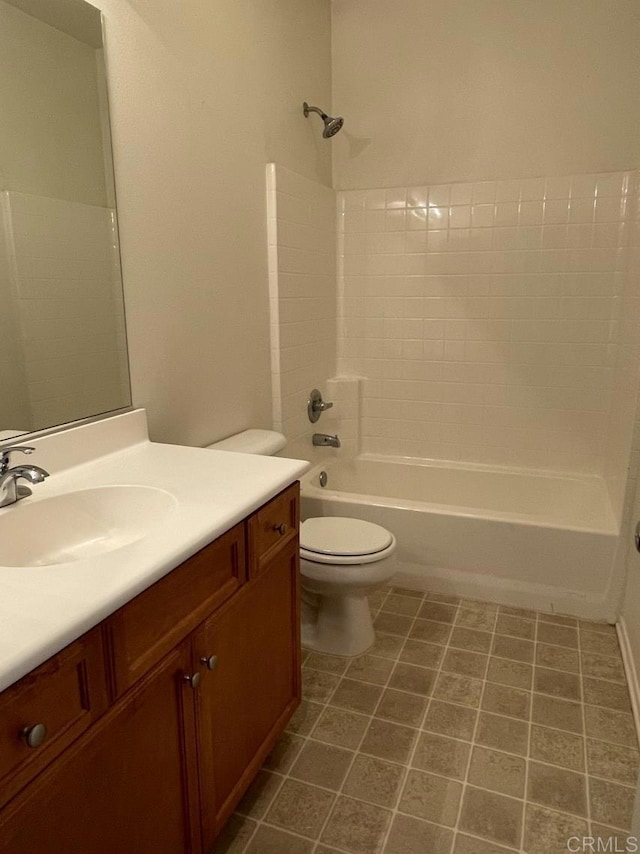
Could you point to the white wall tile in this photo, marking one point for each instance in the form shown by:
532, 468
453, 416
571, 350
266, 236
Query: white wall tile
506, 290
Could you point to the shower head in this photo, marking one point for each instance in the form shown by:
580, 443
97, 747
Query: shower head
331, 125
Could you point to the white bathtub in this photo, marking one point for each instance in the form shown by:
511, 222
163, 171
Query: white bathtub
532, 540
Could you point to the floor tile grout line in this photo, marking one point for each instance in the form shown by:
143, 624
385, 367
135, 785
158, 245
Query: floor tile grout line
356, 751
271, 800
539, 617
450, 778
493, 681
611, 780
533, 663
462, 705
528, 640
523, 638
545, 725
420, 729
417, 736
465, 741
465, 782
502, 657
408, 765
363, 736
584, 741
571, 815
397, 811
286, 776
307, 738
527, 763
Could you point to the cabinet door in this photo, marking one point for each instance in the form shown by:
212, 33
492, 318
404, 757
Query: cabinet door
128, 784
244, 703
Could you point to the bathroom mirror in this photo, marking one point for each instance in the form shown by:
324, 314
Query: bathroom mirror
63, 353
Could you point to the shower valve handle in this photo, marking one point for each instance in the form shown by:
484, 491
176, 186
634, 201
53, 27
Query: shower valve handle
316, 405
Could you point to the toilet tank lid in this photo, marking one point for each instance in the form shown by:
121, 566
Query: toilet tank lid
263, 442
342, 536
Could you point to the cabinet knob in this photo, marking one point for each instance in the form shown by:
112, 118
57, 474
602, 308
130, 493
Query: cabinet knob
281, 529
34, 735
210, 661
193, 679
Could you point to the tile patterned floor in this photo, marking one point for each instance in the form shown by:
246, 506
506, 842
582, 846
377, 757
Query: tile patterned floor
468, 729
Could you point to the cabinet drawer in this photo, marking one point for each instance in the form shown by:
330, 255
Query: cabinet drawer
64, 695
145, 629
272, 527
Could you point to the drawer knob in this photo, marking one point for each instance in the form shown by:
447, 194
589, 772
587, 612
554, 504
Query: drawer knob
34, 735
210, 661
192, 679
281, 529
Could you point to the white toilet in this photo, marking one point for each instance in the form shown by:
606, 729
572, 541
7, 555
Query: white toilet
342, 560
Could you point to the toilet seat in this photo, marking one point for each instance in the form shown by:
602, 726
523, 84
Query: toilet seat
344, 541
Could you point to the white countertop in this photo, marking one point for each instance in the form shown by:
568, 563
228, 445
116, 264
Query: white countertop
44, 608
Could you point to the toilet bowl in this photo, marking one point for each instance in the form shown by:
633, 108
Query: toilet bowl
342, 561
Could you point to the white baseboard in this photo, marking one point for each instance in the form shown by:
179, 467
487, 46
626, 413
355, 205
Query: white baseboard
501, 590
630, 671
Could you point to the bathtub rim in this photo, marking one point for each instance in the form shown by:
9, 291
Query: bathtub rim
613, 528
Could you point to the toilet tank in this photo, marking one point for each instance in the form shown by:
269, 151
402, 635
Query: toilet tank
263, 442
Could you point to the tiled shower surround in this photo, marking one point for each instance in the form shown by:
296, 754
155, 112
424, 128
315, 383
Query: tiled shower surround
468, 729
482, 317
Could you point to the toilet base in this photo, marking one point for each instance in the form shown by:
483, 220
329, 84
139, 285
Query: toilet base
338, 625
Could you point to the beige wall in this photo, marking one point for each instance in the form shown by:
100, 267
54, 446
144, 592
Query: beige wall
54, 147
302, 284
466, 90
202, 95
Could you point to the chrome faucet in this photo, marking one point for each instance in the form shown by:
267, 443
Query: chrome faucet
10, 492
325, 439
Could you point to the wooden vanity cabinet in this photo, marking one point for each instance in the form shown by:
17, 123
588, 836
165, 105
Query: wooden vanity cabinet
199, 694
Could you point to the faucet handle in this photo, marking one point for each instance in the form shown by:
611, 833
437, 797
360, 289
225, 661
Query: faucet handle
316, 405
5, 455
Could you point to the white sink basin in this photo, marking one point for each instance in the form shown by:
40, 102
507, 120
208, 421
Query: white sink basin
78, 525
